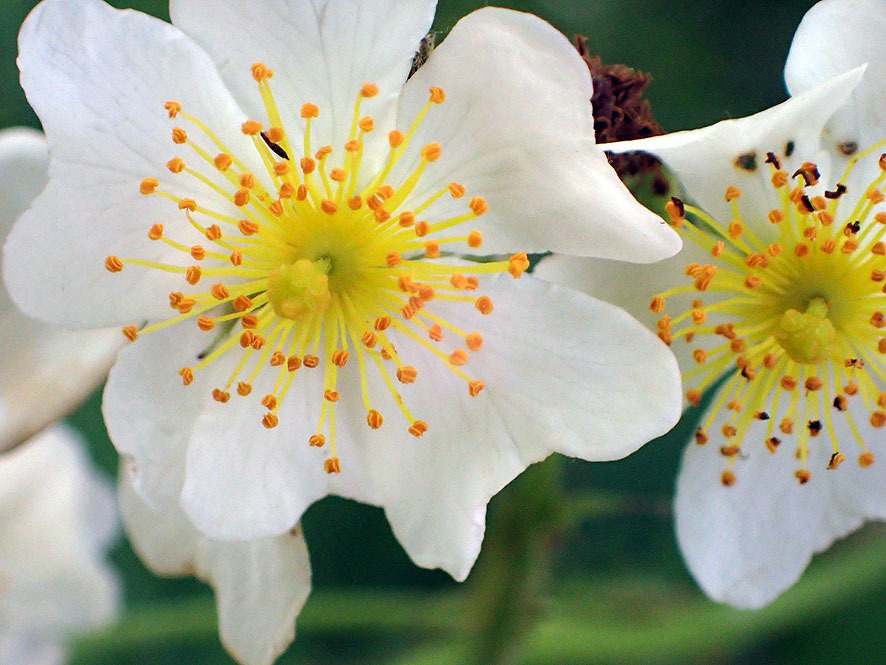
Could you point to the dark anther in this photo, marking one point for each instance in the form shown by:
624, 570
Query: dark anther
840, 403
745, 374
747, 161
280, 152
837, 193
810, 173
425, 47
762, 416
679, 204
814, 427
848, 148
772, 159
852, 228
807, 203
789, 148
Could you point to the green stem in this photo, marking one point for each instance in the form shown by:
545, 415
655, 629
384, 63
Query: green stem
512, 575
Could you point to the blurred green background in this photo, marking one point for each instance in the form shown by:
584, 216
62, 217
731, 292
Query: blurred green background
580, 564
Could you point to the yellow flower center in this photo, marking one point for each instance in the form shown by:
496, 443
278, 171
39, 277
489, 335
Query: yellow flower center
798, 322
319, 265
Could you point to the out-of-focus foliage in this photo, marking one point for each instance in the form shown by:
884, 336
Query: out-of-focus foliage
612, 588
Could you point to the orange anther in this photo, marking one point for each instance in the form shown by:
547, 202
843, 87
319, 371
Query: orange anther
317, 440
222, 161
431, 152
187, 375
179, 136
458, 357
198, 253
269, 401
113, 264
779, 178
173, 108
275, 135
736, 229
176, 165
418, 428
278, 358
437, 96
340, 358
366, 124
310, 361
432, 249
270, 420
393, 259
801, 250
307, 165
276, 208
729, 431
407, 374
310, 111
293, 363
484, 305
836, 460
803, 475
866, 459
220, 395
478, 205
281, 168
693, 396
700, 356
369, 90
353, 146
701, 437
243, 388
242, 303
247, 180
332, 465
727, 478
338, 175
248, 227
187, 204
657, 305
732, 193
148, 185
323, 152
471, 283
422, 228
475, 239
251, 127
456, 190
374, 419
246, 338
474, 388
186, 305
241, 197
193, 274
474, 341
878, 418
249, 321
381, 324
155, 232
328, 207
130, 333
369, 339
396, 138
205, 323
425, 293
287, 191
330, 395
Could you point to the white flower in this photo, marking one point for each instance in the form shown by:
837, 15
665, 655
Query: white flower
57, 519
353, 348
46, 371
782, 291
260, 585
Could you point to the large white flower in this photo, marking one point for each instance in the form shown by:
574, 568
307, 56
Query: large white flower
57, 519
781, 290
46, 371
262, 168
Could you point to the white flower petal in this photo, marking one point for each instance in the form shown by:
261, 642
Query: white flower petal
321, 51
705, 160
260, 585
150, 414
56, 517
577, 392
51, 370
834, 37
517, 129
99, 78
630, 285
747, 543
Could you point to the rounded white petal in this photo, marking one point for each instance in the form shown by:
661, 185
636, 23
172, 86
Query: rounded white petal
834, 37
562, 373
260, 585
321, 52
747, 543
149, 413
98, 79
57, 517
46, 371
631, 286
517, 129
710, 159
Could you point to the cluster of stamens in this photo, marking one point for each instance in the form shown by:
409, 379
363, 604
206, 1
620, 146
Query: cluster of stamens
317, 269
797, 326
